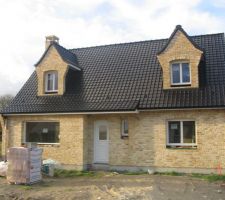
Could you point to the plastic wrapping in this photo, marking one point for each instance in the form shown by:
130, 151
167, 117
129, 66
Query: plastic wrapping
24, 165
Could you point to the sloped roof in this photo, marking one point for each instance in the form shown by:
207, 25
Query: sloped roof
125, 77
179, 28
65, 54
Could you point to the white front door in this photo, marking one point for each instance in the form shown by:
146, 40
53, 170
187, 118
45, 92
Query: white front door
101, 142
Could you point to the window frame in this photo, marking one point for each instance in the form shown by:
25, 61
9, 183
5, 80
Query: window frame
181, 144
54, 81
180, 74
39, 143
122, 128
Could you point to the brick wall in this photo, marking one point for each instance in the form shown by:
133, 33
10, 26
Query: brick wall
180, 49
146, 145
70, 151
52, 61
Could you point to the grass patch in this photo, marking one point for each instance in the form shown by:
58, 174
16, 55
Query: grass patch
25, 187
62, 173
133, 173
170, 173
208, 177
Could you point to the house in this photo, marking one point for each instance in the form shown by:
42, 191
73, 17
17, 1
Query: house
156, 104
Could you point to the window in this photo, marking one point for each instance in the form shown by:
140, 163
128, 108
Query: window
181, 133
180, 74
51, 82
125, 128
42, 132
102, 132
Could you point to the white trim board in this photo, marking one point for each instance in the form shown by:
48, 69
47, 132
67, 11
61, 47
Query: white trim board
116, 112
73, 113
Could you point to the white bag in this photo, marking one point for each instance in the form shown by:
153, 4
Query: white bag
3, 168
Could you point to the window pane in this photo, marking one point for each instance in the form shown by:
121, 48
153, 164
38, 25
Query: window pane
102, 133
125, 127
175, 73
189, 132
42, 132
185, 73
50, 81
174, 132
56, 81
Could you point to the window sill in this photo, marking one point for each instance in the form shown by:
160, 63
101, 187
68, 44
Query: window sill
48, 144
181, 147
51, 92
180, 85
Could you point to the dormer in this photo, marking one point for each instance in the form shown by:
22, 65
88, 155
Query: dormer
180, 59
53, 66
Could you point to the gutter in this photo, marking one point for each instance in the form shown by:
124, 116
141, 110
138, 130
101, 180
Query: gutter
72, 113
137, 111
181, 109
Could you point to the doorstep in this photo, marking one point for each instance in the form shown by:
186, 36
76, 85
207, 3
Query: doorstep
100, 166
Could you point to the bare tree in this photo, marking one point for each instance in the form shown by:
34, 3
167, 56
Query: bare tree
5, 100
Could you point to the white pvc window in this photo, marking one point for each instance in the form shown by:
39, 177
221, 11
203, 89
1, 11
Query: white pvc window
51, 81
180, 73
181, 133
125, 128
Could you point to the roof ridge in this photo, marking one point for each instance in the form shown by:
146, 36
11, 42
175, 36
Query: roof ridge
136, 42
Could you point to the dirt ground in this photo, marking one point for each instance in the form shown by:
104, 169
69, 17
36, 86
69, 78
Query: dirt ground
118, 187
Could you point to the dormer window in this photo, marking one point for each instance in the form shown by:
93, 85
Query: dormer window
180, 74
51, 82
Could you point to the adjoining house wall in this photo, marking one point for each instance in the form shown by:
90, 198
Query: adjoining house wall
69, 151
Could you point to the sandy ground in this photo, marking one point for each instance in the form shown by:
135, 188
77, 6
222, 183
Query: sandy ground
118, 187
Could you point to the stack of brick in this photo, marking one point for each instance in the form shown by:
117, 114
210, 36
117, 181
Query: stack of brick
24, 165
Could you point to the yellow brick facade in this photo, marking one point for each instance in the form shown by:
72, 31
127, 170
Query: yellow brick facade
69, 151
180, 49
146, 146
52, 62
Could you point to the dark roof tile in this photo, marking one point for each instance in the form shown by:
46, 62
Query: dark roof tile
128, 76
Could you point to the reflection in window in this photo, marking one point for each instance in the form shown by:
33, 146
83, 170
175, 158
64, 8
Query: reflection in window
180, 73
42, 132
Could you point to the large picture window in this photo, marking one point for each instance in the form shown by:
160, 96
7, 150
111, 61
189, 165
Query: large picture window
180, 73
42, 132
181, 133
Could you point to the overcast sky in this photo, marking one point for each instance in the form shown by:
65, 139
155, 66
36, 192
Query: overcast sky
80, 23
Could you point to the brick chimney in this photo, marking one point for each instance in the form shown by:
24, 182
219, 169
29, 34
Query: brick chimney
50, 39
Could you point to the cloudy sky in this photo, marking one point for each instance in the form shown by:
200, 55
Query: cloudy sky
80, 23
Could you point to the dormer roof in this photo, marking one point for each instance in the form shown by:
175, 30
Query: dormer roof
67, 56
179, 28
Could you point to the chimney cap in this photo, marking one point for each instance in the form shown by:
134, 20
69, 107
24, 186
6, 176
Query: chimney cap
52, 38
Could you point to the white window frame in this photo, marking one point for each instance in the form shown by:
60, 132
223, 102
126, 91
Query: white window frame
181, 133
122, 128
181, 71
54, 81
41, 143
